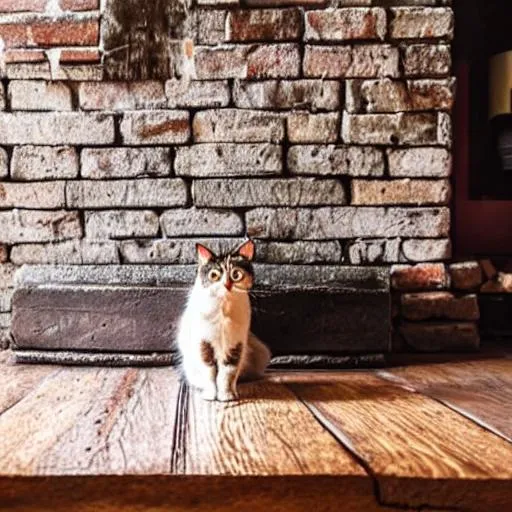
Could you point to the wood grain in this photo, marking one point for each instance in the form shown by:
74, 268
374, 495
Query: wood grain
420, 452
92, 421
161, 493
479, 390
17, 381
266, 432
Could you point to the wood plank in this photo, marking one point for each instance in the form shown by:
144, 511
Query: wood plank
159, 493
17, 381
268, 433
92, 421
419, 451
479, 390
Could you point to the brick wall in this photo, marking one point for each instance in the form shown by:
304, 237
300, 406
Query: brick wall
320, 128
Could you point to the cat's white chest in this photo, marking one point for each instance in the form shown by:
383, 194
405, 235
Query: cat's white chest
227, 324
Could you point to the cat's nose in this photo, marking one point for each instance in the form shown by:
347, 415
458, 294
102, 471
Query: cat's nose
228, 285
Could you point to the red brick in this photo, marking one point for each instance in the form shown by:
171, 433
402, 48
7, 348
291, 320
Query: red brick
425, 276
23, 5
90, 55
79, 5
47, 32
13, 56
466, 275
359, 61
3, 253
346, 24
441, 337
264, 25
430, 305
274, 61
280, 3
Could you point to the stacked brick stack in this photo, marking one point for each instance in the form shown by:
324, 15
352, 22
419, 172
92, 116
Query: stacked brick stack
323, 132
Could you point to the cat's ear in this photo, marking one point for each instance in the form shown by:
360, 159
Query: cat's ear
246, 250
204, 255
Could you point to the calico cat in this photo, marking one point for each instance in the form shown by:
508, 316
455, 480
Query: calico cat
214, 340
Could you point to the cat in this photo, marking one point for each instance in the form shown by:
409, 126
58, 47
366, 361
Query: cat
215, 343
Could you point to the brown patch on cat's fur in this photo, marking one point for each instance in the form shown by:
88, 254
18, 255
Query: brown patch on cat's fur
233, 356
207, 353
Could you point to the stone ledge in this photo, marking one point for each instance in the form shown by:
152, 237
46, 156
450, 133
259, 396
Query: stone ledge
353, 278
296, 309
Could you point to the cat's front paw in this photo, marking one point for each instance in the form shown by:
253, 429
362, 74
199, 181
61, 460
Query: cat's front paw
209, 394
227, 396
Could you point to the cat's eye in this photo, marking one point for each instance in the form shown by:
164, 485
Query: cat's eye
214, 275
237, 275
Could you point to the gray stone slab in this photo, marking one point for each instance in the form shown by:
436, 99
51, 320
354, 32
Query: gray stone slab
350, 278
290, 319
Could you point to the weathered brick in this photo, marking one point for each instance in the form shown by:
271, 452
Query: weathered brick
7, 271
151, 192
4, 163
335, 160
348, 222
432, 305
50, 129
121, 95
273, 61
421, 23
279, 3
39, 95
31, 163
379, 96
218, 3
394, 129
79, 5
305, 253
345, 24
418, 251
288, 94
50, 31
200, 222
4, 254
6, 300
362, 61
20, 226
5, 321
303, 128
43, 71
32, 195
184, 93
23, 5
231, 125
114, 224
445, 337
247, 61
176, 250
466, 275
424, 276
445, 129
406, 191
155, 127
362, 252
2, 97
427, 60
229, 160
209, 26
419, 162
71, 252
101, 163
264, 25
24, 55
277, 192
